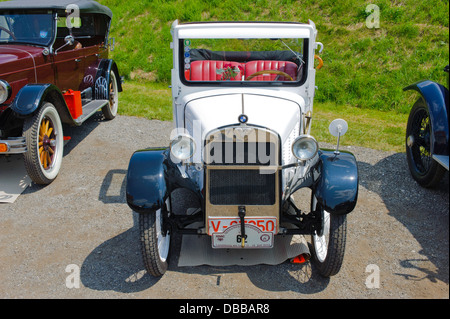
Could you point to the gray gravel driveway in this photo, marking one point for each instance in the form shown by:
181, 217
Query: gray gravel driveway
80, 230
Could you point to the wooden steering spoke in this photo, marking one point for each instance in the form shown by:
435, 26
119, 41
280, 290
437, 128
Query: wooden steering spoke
270, 72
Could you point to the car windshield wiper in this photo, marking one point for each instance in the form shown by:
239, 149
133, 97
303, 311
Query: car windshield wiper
295, 53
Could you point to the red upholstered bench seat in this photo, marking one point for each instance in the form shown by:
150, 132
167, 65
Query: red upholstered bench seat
207, 70
212, 70
284, 66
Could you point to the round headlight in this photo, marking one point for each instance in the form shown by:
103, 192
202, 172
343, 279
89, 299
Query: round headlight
5, 91
305, 147
182, 147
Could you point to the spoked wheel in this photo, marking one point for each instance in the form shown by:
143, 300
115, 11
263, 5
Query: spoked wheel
110, 110
45, 143
426, 171
155, 241
329, 243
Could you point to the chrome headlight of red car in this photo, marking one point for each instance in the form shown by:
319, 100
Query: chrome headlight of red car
5, 91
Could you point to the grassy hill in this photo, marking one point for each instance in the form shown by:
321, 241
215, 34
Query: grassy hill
364, 68
364, 72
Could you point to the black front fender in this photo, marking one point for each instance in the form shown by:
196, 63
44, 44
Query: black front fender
437, 100
337, 187
151, 177
105, 68
146, 189
31, 96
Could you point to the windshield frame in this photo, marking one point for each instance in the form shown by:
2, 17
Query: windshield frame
52, 31
304, 75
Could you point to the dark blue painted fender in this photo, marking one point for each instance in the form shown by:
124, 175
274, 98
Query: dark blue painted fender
151, 177
146, 186
436, 98
31, 96
337, 187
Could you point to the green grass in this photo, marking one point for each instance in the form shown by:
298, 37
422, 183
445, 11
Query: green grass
364, 68
364, 71
363, 76
146, 99
368, 128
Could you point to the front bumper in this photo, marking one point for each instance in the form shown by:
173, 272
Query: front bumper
13, 145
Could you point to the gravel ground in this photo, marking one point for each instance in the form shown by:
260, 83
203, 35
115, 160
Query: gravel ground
82, 224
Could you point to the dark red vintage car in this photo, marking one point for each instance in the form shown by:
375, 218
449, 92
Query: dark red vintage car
54, 71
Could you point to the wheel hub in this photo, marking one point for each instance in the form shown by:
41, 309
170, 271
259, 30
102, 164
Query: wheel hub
410, 141
46, 143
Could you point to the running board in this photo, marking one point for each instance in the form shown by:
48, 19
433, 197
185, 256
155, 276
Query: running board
89, 109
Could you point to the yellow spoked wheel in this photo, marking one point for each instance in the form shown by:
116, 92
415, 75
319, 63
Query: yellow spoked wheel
47, 143
44, 137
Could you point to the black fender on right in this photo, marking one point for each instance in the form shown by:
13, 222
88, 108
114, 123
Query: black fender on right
337, 187
436, 96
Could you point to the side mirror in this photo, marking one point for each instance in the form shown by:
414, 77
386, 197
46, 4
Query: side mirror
338, 128
69, 40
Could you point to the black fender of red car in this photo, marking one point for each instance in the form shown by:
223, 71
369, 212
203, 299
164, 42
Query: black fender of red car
436, 98
30, 98
105, 67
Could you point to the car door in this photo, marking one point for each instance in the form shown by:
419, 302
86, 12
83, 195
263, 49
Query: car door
94, 47
68, 60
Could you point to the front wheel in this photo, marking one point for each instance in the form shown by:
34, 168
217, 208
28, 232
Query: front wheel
425, 171
45, 143
110, 110
329, 243
155, 242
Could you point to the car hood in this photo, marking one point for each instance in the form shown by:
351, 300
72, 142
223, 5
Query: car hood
279, 114
14, 58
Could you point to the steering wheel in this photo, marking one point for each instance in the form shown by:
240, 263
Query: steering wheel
9, 32
270, 72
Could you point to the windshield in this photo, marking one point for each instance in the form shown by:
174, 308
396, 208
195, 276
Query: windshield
33, 28
242, 61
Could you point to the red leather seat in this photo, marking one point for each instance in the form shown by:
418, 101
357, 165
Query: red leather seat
206, 70
285, 66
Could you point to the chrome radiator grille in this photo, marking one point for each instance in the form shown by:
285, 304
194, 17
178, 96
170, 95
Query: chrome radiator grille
242, 168
241, 187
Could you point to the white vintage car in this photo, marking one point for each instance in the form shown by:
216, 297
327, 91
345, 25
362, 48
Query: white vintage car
242, 107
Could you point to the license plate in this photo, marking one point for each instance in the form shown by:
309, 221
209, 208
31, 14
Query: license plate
226, 232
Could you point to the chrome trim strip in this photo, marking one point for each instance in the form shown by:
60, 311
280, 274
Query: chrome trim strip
15, 145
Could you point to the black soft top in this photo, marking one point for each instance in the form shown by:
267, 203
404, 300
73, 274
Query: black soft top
85, 6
